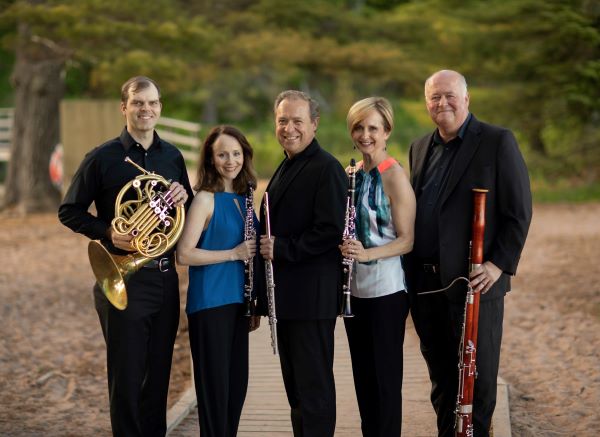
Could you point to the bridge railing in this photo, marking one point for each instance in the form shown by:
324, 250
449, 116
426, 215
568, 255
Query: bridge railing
6, 124
183, 134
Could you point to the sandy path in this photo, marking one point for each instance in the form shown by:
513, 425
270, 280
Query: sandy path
52, 356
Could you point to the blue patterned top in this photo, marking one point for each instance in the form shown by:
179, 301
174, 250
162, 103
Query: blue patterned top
374, 228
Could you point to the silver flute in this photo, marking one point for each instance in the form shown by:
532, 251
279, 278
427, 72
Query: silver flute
270, 283
349, 234
249, 234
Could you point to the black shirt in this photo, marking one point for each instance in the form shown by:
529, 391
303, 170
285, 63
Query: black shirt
436, 171
102, 174
283, 171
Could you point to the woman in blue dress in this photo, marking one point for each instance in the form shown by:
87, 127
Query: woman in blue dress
385, 215
213, 245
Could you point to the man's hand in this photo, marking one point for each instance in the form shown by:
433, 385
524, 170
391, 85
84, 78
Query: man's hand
266, 246
254, 323
484, 276
178, 193
122, 242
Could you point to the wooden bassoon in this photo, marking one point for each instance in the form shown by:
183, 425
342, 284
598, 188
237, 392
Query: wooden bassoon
467, 371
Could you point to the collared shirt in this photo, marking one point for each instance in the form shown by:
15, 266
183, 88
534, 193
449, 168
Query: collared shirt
435, 177
102, 174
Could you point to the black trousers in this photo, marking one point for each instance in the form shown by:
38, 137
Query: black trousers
139, 351
219, 343
438, 323
306, 357
376, 337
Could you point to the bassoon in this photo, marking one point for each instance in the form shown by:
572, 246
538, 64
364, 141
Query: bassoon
270, 283
467, 371
249, 234
349, 234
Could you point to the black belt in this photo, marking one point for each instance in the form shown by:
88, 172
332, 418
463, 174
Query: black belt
432, 269
162, 264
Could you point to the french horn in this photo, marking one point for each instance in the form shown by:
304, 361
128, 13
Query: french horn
155, 224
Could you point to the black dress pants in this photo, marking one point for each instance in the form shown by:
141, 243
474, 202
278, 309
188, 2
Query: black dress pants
219, 343
139, 351
306, 357
438, 322
376, 337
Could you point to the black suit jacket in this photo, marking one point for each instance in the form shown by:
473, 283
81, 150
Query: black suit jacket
307, 220
489, 158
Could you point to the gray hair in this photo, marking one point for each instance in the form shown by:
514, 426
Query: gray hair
313, 105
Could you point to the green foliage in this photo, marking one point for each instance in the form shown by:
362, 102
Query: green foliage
532, 65
565, 190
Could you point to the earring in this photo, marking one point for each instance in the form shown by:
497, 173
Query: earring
354, 147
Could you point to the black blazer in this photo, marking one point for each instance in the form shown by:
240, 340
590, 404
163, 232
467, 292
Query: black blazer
307, 220
489, 158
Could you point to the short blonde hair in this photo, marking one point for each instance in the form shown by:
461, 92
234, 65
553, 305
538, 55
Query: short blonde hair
358, 112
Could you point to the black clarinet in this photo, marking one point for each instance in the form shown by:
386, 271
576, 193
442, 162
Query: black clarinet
349, 234
249, 234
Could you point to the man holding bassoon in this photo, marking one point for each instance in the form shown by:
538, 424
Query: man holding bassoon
463, 154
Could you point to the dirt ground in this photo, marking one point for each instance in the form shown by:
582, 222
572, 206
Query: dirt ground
52, 358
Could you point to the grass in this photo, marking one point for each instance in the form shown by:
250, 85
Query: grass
565, 191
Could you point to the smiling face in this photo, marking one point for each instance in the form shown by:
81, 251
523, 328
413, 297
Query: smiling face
142, 110
369, 134
293, 126
447, 102
228, 158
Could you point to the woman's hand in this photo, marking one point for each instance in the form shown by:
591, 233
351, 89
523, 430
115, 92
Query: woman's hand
353, 249
245, 250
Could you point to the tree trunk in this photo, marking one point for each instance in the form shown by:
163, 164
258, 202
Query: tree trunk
39, 87
536, 141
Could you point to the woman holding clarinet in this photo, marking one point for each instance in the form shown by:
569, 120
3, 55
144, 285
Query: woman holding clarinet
385, 213
219, 243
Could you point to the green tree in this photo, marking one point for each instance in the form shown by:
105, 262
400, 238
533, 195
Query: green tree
116, 37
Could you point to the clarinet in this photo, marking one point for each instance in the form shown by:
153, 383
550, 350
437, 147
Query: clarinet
270, 283
349, 234
467, 371
249, 234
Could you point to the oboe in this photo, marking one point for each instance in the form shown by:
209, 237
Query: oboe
467, 371
249, 234
270, 283
349, 234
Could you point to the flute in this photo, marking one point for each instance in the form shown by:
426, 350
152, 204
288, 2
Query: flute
249, 234
467, 371
270, 283
349, 234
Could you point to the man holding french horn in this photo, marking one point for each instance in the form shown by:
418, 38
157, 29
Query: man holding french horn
140, 214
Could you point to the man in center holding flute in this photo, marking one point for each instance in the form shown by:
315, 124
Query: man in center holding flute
307, 197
